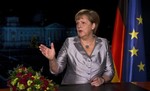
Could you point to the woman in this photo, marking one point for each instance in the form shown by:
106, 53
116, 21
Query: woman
87, 57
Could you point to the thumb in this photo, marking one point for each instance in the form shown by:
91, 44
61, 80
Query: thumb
52, 45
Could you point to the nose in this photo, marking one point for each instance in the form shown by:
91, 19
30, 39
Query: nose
79, 26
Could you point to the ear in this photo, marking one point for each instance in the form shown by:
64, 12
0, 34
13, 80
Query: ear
93, 26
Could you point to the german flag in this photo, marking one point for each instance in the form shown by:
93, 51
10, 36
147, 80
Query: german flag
118, 39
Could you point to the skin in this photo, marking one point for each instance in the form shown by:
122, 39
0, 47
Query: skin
85, 28
85, 32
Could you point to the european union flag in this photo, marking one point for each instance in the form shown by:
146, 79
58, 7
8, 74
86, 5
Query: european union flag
134, 66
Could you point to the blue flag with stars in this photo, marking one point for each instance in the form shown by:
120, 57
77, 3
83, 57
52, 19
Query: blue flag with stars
134, 66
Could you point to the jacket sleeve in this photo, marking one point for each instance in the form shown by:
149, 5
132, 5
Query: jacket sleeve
109, 69
62, 57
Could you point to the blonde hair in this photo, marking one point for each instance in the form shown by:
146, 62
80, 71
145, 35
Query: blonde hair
92, 16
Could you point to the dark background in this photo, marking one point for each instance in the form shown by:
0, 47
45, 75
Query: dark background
45, 12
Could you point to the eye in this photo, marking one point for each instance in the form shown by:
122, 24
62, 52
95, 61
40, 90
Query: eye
83, 22
77, 23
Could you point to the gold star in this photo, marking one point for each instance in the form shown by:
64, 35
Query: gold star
134, 34
141, 66
133, 51
140, 20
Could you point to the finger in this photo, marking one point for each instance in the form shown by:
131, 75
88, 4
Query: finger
52, 45
94, 79
43, 53
42, 47
93, 83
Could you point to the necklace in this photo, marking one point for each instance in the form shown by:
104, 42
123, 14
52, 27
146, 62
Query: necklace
88, 45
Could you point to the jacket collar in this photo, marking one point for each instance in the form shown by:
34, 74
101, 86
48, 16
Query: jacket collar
80, 48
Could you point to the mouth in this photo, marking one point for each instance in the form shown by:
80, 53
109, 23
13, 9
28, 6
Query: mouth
79, 31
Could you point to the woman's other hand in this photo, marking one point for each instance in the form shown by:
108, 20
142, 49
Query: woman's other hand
97, 81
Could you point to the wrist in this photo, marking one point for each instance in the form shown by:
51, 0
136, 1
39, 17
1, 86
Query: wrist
52, 60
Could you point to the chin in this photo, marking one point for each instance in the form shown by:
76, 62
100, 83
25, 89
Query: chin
80, 34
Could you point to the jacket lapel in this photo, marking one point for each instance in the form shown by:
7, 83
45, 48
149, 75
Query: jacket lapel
79, 47
98, 45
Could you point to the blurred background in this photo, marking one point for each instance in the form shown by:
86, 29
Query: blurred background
24, 24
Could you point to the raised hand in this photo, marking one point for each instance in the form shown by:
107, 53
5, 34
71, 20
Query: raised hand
49, 53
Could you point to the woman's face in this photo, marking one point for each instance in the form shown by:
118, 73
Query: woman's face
84, 26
